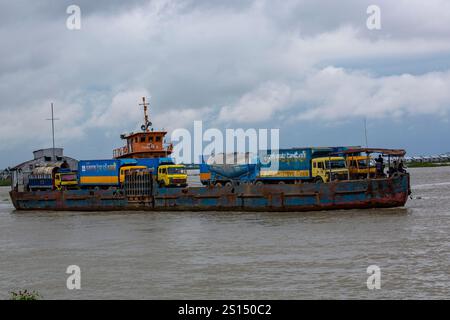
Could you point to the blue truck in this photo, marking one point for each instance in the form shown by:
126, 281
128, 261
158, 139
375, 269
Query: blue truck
103, 173
294, 166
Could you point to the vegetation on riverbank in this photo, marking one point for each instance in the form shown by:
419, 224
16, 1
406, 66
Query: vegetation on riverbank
4, 183
427, 164
25, 295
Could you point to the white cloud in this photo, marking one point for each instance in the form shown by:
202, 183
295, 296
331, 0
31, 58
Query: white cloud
258, 105
336, 94
181, 118
123, 111
31, 124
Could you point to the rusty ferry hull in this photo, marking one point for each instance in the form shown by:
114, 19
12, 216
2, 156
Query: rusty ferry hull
371, 193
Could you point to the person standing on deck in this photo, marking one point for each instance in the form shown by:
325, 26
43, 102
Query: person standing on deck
379, 165
401, 169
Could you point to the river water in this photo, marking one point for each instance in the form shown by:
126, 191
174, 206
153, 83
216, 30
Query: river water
322, 255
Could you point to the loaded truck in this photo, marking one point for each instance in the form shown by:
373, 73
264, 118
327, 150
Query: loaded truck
168, 174
66, 179
294, 166
52, 178
172, 176
105, 173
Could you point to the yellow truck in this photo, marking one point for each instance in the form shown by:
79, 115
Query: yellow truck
66, 180
326, 169
172, 175
358, 168
126, 169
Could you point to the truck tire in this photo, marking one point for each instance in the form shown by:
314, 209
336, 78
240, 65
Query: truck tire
218, 185
318, 180
259, 183
229, 184
281, 182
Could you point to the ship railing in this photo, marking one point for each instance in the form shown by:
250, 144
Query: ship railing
120, 151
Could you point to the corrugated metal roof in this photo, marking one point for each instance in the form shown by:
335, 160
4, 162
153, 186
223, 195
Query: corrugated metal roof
43, 163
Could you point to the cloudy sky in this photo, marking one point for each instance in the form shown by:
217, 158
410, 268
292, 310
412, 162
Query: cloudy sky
311, 68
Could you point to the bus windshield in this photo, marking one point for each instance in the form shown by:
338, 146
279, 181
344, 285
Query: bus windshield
335, 164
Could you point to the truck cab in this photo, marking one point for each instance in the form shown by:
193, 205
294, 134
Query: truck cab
66, 180
126, 169
358, 169
172, 175
326, 169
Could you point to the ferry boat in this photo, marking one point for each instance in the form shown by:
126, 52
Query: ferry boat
140, 189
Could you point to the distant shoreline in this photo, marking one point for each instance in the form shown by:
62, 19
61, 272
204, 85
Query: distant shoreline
427, 164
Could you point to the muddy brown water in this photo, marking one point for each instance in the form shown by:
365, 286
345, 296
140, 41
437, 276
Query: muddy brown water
212, 255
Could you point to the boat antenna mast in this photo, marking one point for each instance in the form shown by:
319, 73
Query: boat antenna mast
365, 131
53, 131
147, 123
